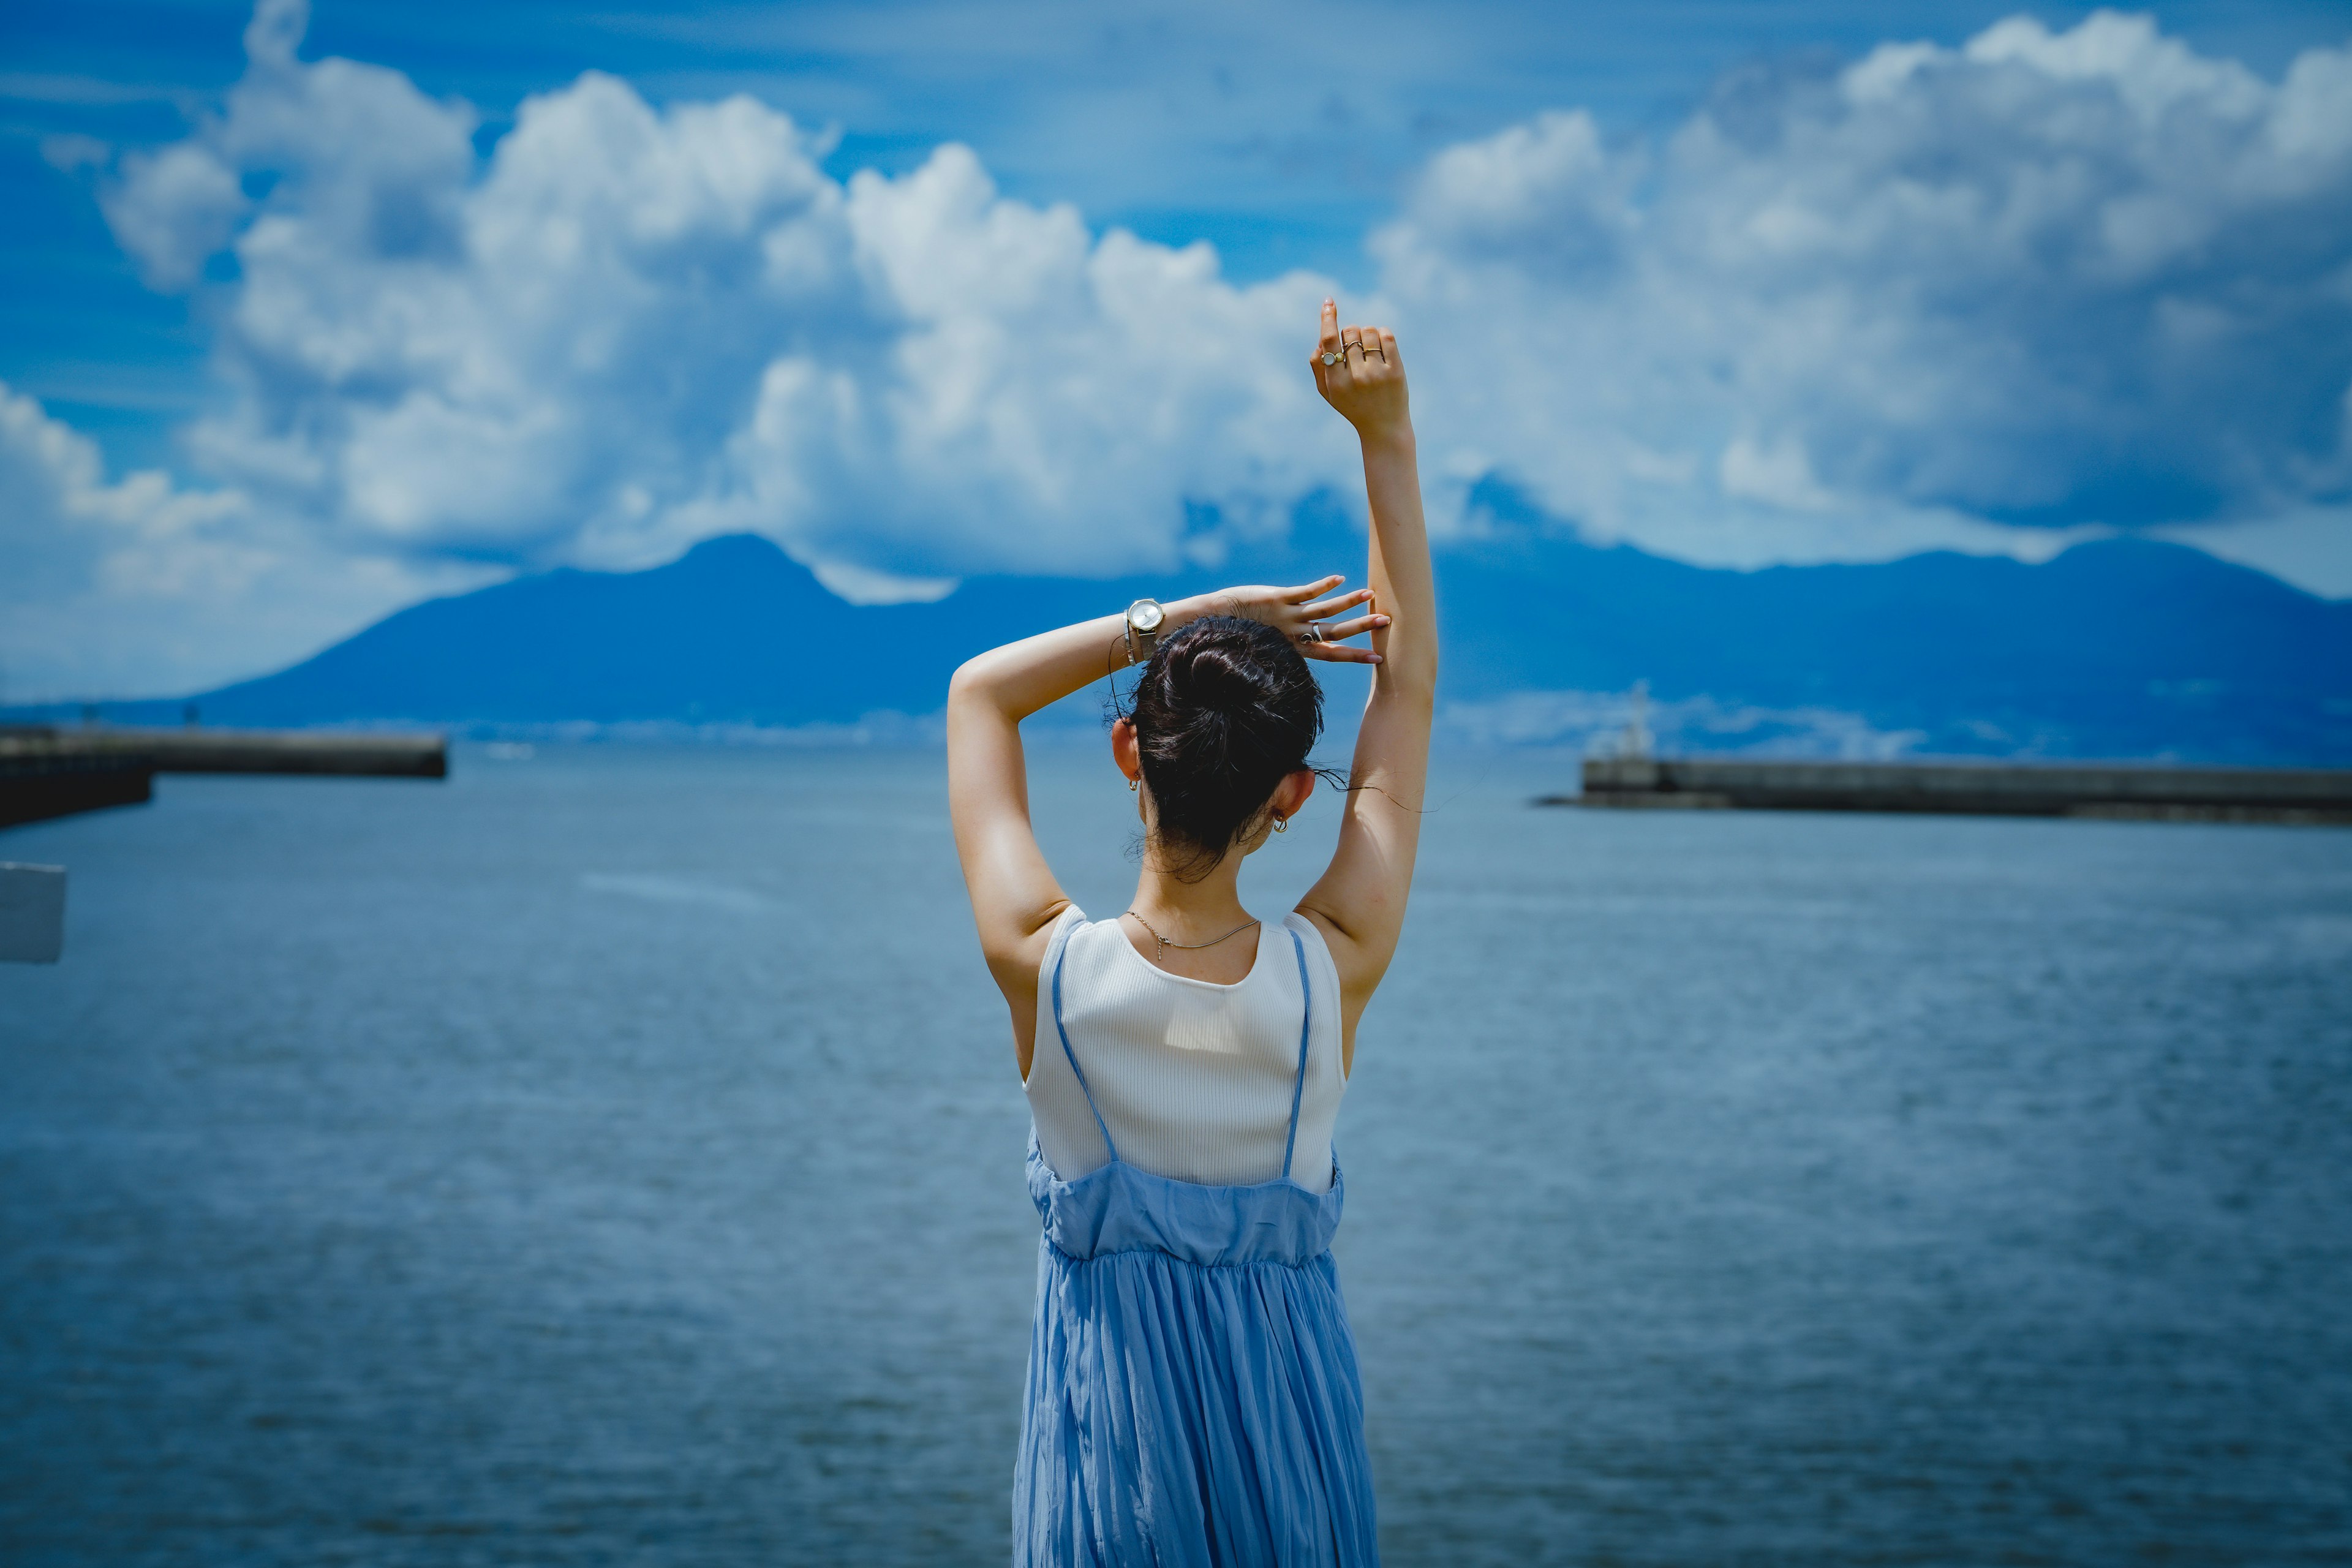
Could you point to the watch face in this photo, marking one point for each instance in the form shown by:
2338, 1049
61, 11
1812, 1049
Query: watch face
1145, 615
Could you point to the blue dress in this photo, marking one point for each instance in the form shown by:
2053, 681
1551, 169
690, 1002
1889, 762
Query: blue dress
1192, 1397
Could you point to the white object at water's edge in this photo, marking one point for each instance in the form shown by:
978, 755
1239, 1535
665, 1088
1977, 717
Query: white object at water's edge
32, 914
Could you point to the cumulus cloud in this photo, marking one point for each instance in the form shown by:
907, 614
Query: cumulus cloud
1996, 297
2044, 280
630, 328
112, 586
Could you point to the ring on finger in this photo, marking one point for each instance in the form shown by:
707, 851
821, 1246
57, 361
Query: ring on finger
1332, 356
1314, 632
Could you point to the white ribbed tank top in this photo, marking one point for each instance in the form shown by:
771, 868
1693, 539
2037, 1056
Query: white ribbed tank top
1193, 1079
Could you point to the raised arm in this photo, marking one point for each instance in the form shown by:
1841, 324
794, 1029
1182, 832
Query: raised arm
1015, 897
1359, 901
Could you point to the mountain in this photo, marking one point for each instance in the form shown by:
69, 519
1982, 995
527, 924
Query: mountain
733, 631
2120, 648
2124, 647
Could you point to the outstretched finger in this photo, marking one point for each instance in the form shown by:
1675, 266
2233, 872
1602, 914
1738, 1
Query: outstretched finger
1340, 631
1338, 602
1330, 334
1308, 590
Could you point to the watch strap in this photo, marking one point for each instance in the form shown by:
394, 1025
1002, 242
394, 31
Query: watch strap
1141, 644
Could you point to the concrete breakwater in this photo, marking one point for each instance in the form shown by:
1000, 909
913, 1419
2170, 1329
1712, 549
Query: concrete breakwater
47, 772
1999, 789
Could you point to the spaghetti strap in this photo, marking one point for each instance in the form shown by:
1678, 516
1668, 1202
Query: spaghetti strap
1306, 1023
1062, 956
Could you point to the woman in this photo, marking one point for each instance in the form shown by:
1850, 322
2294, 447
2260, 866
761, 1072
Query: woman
1193, 1395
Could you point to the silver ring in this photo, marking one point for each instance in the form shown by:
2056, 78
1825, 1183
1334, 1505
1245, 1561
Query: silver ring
1314, 632
1331, 357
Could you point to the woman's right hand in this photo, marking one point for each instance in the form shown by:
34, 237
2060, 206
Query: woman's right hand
1291, 611
1364, 378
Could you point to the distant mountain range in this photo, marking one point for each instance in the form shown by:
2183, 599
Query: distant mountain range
2119, 648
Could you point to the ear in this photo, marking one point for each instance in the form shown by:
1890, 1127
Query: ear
1123, 749
1291, 794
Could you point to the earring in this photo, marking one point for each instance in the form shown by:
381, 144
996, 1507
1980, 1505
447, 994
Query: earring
1282, 825
1132, 783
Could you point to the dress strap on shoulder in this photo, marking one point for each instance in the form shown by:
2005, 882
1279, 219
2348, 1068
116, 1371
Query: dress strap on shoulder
1305, 1025
1061, 956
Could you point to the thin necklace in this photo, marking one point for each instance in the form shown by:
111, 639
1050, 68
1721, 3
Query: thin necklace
1189, 946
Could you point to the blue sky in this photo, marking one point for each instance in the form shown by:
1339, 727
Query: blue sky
1738, 283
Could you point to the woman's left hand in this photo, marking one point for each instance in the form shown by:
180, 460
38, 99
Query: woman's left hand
1306, 620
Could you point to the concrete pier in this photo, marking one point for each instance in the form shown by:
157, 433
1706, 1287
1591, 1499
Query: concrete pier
46, 772
1999, 789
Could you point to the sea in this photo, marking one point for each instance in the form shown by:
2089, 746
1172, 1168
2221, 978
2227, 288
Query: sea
612, 1154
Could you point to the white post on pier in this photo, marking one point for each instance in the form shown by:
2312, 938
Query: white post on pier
1635, 742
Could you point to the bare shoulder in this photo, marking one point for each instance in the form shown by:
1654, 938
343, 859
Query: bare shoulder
1360, 970
1015, 950
1018, 969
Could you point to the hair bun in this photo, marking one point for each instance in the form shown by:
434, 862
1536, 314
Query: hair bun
1217, 675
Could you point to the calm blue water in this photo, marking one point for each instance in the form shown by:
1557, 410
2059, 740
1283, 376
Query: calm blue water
615, 1157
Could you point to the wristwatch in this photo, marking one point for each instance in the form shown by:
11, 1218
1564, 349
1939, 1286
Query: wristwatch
1144, 618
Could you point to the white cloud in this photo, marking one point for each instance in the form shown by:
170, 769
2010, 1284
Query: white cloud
2068, 280
174, 208
1046, 399
137, 585
629, 329
1994, 298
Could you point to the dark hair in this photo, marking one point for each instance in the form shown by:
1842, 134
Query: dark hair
1226, 710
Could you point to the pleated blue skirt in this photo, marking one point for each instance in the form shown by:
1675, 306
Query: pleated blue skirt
1193, 1395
